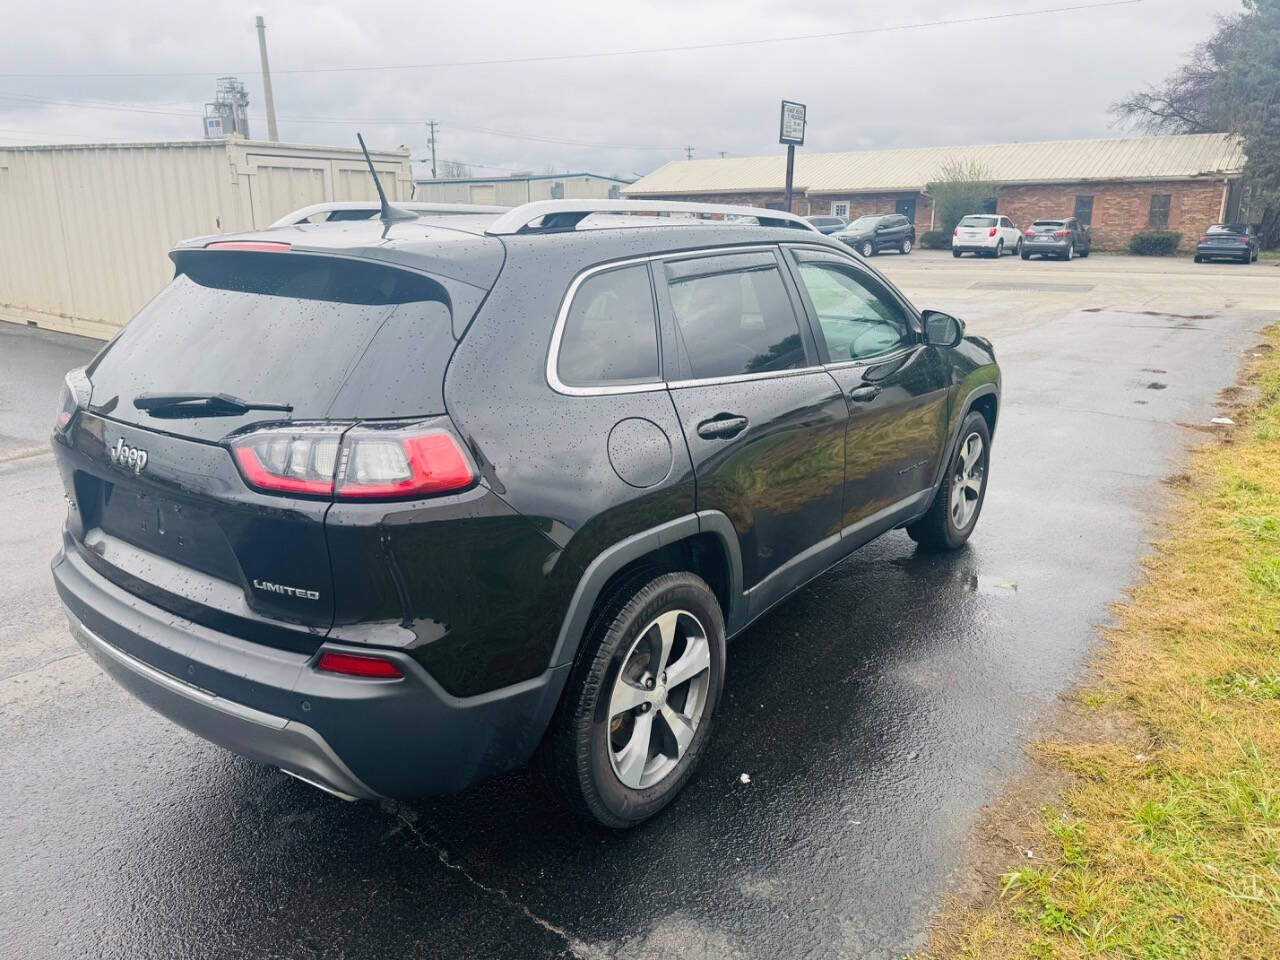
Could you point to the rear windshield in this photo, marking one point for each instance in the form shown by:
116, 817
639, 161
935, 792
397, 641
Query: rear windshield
1225, 228
1048, 223
335, 338
978, 222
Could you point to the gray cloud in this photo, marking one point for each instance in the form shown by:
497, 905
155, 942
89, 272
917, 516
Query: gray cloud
951, 84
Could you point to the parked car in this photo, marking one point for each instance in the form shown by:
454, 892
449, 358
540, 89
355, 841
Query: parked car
985, 234
872, 234
1233, 241
396, 506
1063, 239
826, 224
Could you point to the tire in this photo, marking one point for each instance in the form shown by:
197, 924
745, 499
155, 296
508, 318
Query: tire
1071, 251
906, 246
1255, 256
956, 253
1085, 252
1199, 259
589, 748
867, 249
945, 527
1025, 255
1018, 250
999, 251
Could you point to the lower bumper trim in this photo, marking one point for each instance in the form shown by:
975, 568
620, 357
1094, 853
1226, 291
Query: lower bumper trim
295, 748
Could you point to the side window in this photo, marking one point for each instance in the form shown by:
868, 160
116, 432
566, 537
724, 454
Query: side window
610, 335
733, 315
857, 321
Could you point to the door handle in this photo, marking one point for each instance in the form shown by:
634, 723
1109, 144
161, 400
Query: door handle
723, 426
863, 394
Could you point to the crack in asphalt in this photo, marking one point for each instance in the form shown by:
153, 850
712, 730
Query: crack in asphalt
576, 948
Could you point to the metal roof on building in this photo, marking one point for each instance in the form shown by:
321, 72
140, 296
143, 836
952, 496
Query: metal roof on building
521, 178
1176, 157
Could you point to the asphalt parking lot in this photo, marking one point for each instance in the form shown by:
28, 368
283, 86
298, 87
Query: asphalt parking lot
874, 713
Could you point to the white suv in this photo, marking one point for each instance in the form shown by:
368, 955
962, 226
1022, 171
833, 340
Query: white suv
988, 234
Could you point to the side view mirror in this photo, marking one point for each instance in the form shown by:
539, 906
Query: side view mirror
942, 329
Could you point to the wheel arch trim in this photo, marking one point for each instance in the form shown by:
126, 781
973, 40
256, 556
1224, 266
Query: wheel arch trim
612, 559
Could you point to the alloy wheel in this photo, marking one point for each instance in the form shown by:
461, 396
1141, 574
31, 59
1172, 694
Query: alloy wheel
967, 480
658, 698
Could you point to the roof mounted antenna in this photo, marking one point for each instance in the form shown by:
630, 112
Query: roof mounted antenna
389, 214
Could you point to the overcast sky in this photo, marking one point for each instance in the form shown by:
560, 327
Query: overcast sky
1029, 78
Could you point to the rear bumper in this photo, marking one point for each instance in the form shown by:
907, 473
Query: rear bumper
1236, 252
1058, 247
973, 246
353, 737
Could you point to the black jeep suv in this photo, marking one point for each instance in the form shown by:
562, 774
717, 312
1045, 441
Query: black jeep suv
397, 506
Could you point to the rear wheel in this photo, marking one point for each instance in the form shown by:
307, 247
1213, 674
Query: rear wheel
956, 254
1025, 255
1199, 259
1018, 249
637, 710
1085, 252
955, 508
1071, 251
999, 249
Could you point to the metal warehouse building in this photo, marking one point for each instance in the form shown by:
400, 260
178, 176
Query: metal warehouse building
520, 188
1119, 186
85, 230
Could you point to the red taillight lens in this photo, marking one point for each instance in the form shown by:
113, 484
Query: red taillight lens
1028, 233
359, 665
1206, 239
402, 464
255, 246
991, 232
356, 463
290, 461
76, 391
1063, 233
955, 232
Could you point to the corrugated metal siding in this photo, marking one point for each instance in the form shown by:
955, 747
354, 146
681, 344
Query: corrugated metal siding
86, 230
884, 171
512, 191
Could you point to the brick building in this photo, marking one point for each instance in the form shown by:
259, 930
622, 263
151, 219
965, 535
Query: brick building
1118, 186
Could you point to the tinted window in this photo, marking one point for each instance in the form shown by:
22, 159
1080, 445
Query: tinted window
334, 338
733, 315
1159, 212
978, 222
1048, 223
610, 336
1226, 228
858, 320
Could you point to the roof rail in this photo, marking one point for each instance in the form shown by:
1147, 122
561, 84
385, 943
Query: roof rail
562, 215
421, 208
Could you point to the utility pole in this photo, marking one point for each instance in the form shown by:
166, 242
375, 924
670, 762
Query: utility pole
432, 125
688, 153
272, 133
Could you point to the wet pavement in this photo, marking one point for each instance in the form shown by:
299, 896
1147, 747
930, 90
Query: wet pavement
874, 712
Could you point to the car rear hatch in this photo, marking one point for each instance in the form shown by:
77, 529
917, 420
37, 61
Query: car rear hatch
976, 230
1047, 232
261, 349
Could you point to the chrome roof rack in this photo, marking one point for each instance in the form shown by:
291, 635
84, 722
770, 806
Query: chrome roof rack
560, 215
421, 208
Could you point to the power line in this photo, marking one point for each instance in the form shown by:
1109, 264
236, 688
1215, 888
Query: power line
642, 51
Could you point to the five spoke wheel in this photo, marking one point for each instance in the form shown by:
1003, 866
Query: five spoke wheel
966, 481
658, 698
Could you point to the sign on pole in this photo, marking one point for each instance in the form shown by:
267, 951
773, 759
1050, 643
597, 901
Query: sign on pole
791, 128
791, 132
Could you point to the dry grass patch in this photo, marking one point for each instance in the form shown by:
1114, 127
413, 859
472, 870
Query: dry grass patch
1166, 843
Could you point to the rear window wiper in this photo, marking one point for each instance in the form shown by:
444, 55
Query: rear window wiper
201, 404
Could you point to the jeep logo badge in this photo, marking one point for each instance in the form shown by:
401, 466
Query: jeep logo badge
131, 458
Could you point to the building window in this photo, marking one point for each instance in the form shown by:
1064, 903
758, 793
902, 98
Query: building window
615, 191
1084, 210
1159, 215
840, 209
557, 191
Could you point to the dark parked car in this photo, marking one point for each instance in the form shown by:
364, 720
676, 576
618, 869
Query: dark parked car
1062, 239
1232, 241
825, 224
870, 235
398, 506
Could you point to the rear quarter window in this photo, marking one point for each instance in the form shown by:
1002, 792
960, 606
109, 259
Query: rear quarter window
610, 332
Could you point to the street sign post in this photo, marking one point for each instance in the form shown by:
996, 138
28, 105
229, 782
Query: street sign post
791, 132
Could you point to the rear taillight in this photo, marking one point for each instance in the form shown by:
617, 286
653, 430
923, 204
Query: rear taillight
382, 465
991, 232
1206, 239
955, 232
76, 391
1062, 233
359, 463
1028, 233
359, 665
